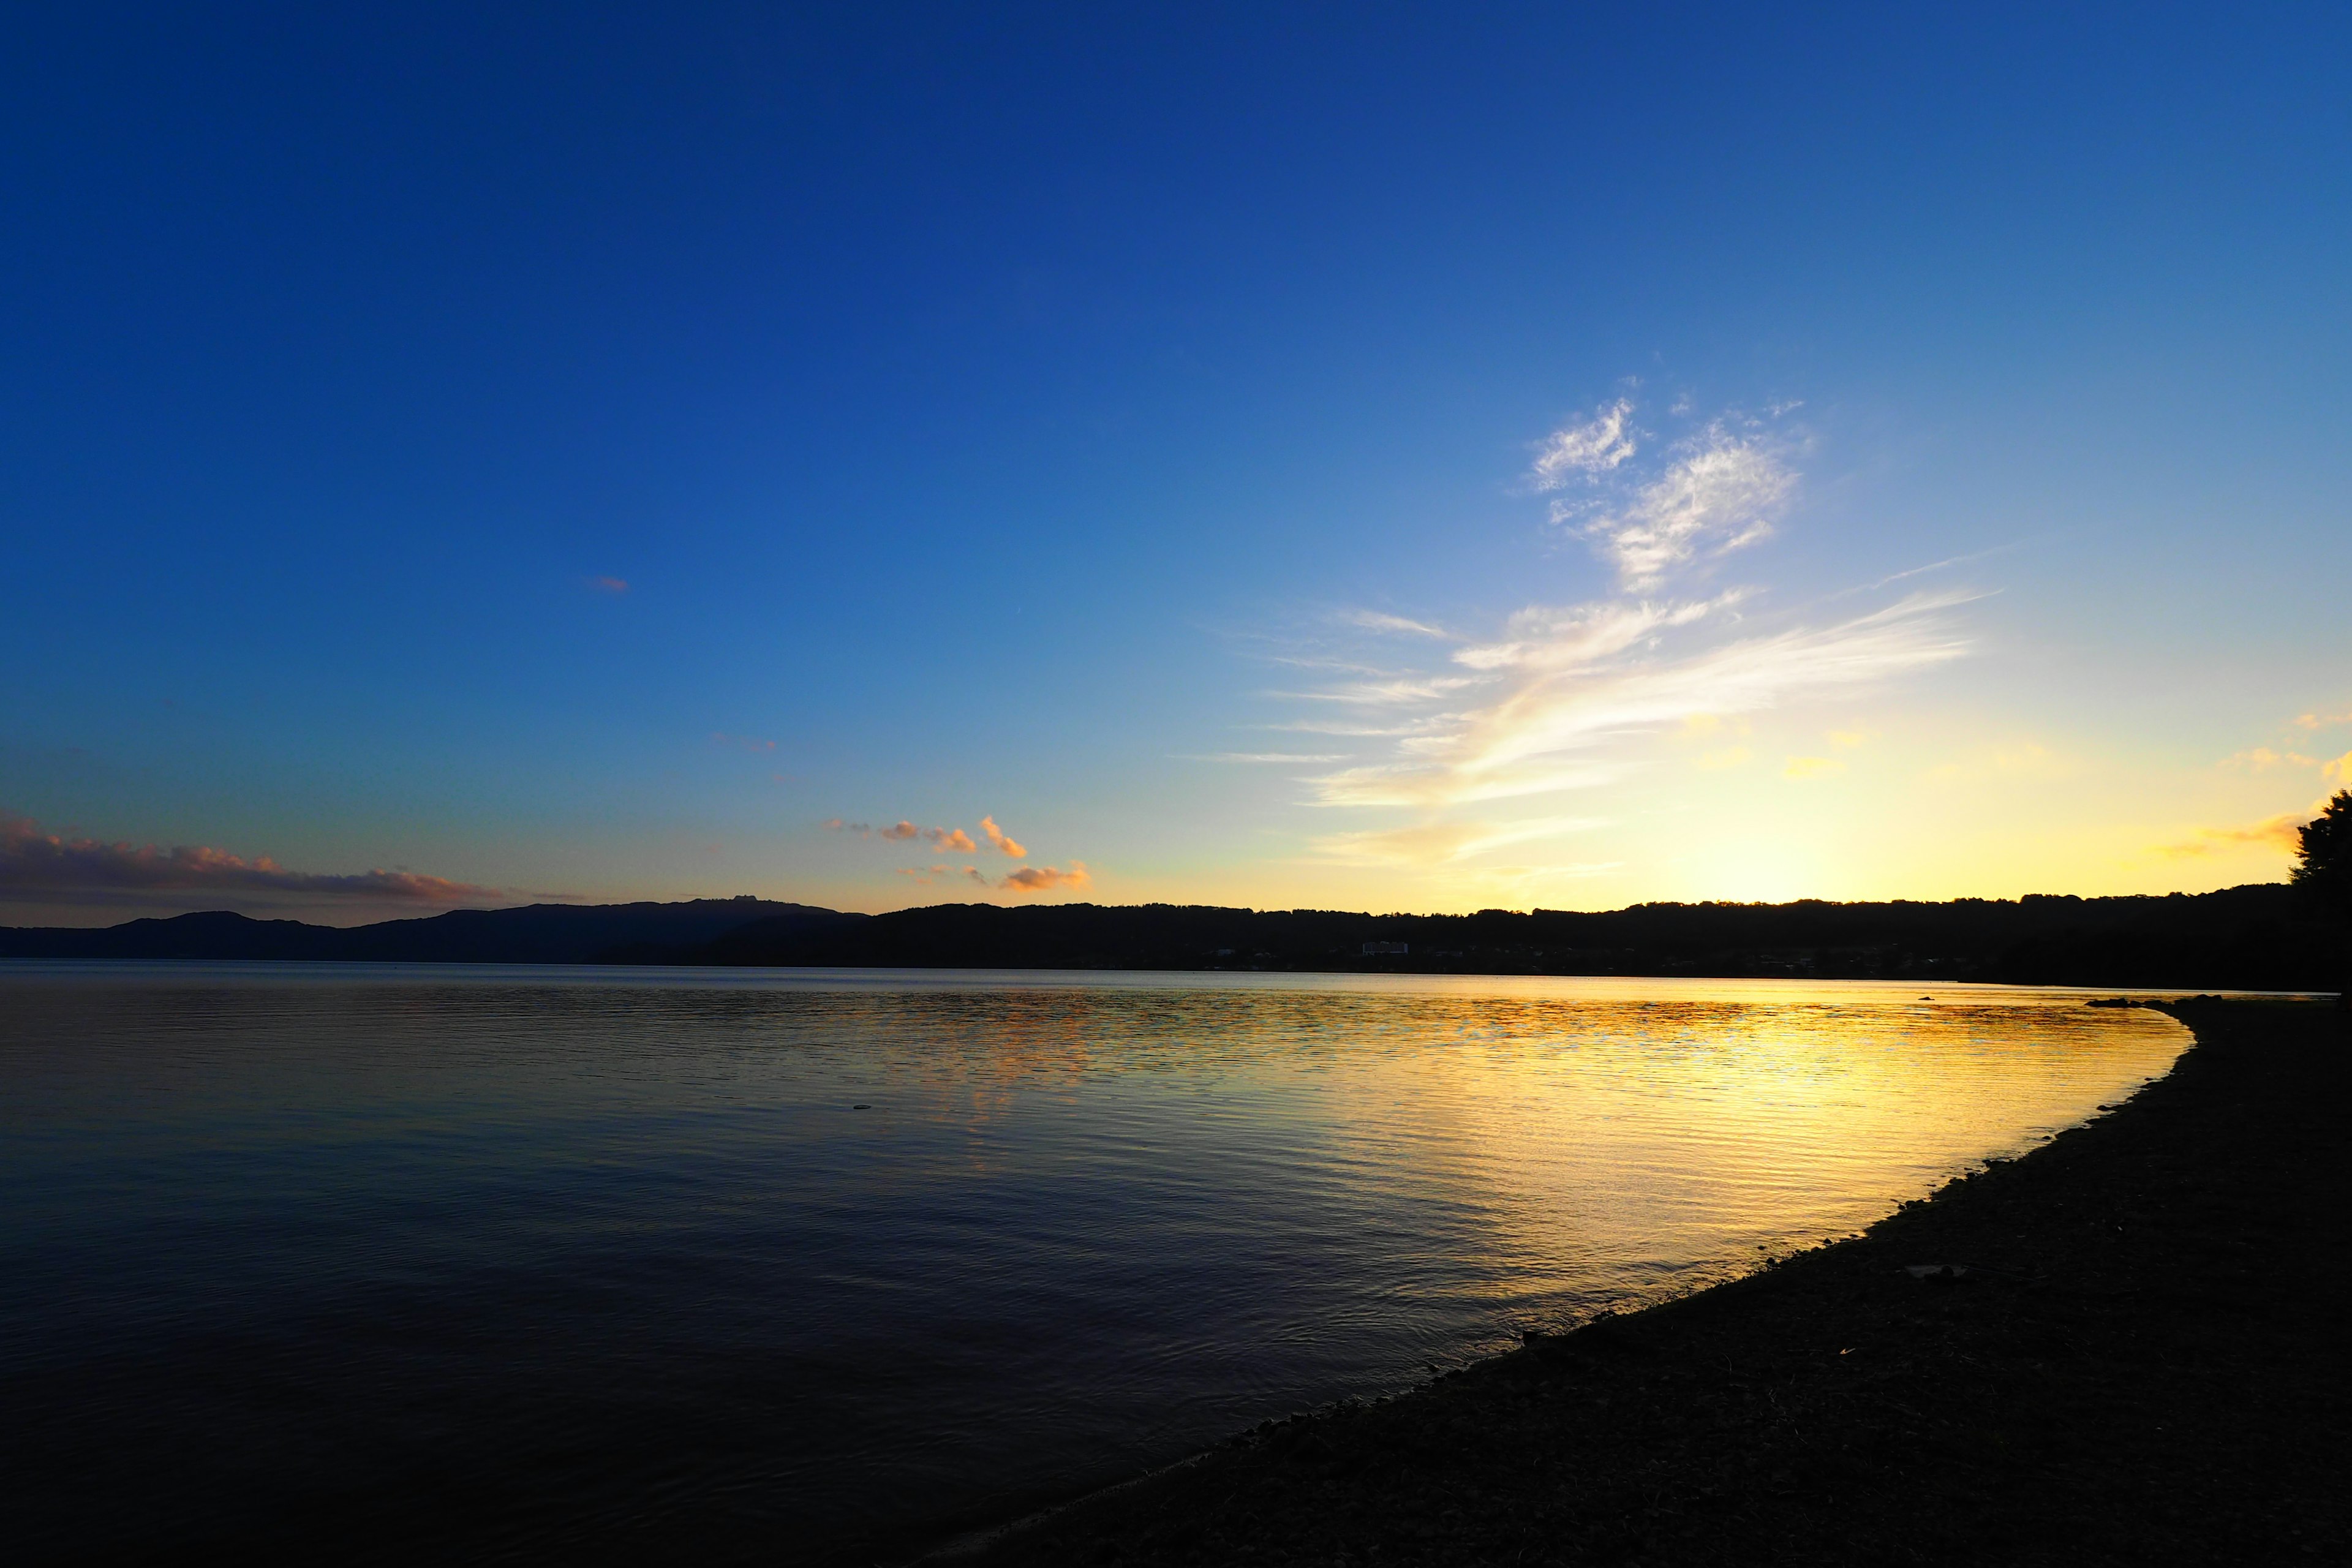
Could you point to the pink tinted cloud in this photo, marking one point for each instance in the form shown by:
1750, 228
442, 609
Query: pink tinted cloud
863, 830
954, 838
900, 831
998, 839
1046, 879
32, 861
609, 584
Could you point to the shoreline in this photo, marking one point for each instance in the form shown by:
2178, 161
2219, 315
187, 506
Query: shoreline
2122, 1344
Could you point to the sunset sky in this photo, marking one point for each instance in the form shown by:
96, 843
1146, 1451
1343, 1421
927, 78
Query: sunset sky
1360, 458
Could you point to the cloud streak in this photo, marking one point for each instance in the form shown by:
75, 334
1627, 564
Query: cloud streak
1271, 757
1000, 841
1378, 621
33, 862
1435, 843
2273, 833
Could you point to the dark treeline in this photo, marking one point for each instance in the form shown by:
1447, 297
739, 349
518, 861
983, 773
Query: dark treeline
2258, 937
2253, 937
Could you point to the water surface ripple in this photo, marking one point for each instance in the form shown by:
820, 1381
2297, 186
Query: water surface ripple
495, 1263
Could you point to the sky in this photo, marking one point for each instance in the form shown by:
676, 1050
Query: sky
1381, 457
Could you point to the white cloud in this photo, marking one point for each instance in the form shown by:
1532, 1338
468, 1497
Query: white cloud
1583, 450
1724, 489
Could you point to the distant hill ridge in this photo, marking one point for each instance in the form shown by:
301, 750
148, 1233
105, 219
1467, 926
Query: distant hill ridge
2253, 937
534, 933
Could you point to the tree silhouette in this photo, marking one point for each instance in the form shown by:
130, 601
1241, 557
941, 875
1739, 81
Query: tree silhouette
2324, 868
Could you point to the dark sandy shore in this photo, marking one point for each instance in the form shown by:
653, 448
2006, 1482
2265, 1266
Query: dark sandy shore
2144, 1360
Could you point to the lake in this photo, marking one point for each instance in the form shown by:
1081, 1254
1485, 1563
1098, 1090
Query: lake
398, 1261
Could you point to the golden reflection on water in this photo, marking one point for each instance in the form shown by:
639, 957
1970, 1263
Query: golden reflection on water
1607, 1140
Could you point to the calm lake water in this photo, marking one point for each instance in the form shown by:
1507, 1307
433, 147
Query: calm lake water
528, 1263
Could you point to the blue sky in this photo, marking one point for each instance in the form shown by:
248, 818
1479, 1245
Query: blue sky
585, 451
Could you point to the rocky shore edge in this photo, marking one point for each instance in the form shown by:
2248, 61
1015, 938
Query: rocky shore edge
2127, 1345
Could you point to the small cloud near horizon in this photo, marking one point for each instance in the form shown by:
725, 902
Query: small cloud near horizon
1027, 879
2280, 832
956, 840
1046, 879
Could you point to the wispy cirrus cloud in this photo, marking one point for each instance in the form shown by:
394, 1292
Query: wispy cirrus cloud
1270, 757
1719, 488
1586, 448
38, 863
1725, 489
1571, 696
1574, 636
1544, 730
1380, 621
1397, 692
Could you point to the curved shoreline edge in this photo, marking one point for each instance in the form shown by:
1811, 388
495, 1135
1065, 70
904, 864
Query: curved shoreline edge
2127, 1344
